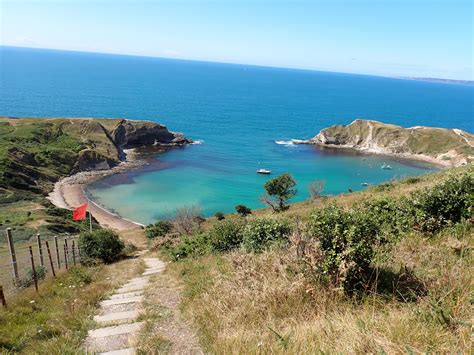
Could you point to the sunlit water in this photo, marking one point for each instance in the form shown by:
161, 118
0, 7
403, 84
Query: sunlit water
237, 112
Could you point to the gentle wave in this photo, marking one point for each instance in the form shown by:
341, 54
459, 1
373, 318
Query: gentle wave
291, 142
198, 141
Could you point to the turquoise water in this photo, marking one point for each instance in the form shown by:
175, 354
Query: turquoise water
238, 112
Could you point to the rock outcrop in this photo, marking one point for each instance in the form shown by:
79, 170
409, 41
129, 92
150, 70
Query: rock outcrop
37, 152
447, 147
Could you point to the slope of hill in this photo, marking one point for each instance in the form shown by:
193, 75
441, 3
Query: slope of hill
35, 153
447, 147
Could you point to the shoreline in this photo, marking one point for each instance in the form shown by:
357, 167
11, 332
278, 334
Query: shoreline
406, 156
69, 192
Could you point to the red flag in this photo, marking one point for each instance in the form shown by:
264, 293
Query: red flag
80, 212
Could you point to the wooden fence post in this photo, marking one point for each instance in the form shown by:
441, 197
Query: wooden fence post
2, 297
50, 259
35, 279
57, 251
65, 255
67, 249
73, 253
40, 249
11, 246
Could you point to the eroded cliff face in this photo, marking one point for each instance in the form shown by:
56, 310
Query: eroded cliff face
36, 152
132, 134
447, 147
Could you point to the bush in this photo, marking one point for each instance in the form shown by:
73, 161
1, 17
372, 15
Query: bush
188, 220
346, 241
445, 204
226, 235
196, 245
243, 210
260, 233
102, 244
28, 280
393, 216
158, 229
220, 216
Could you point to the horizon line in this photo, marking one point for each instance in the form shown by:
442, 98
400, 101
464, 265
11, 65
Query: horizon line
421, 78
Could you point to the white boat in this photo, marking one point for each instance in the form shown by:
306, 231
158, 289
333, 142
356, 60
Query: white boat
364, 184
264, 171
386, 167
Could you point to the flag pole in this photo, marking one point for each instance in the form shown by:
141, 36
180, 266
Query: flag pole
90, 214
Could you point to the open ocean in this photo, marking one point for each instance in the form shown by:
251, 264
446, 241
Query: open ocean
237, 112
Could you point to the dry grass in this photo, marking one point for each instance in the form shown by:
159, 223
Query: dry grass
266, 303
165, 330
56, 319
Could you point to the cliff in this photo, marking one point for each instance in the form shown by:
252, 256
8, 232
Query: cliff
447, 147
36, 153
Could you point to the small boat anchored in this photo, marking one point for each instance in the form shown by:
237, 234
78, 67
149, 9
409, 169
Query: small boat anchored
365, 184
264, 171
386, 167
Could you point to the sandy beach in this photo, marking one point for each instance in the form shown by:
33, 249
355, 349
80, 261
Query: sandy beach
69, 193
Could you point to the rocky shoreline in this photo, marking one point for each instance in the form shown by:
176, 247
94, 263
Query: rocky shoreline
438, 146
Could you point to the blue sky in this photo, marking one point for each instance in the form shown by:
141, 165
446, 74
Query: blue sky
423, 38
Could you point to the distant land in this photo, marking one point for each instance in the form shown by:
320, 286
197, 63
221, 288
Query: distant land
440, 80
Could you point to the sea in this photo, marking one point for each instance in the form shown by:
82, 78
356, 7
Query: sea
241, 117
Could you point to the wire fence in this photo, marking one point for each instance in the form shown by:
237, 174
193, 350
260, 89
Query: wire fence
27, 264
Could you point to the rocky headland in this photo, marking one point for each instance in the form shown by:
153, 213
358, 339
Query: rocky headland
441, 146
56, 156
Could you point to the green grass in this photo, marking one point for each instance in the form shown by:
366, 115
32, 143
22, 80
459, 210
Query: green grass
277, 302
56, 319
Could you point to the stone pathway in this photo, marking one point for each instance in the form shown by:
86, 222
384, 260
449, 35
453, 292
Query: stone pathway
119, 315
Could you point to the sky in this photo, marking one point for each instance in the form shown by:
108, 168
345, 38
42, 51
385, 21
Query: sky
413, 38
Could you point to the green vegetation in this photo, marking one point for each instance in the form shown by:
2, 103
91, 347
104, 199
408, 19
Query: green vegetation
447, 146
35, 153
102, 244
279, 191
219, 216
56, 319
383, 270
243, 210
159, 229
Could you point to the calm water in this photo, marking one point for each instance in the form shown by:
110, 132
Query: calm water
238, 112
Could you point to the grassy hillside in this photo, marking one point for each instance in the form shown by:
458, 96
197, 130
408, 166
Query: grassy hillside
35, 153
386, 270
448, 146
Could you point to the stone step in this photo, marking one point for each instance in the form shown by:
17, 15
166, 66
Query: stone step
109, 343
115, 330
153, 271
133, 288
118, 317
112, 302
126, 351
154, 263
126, 294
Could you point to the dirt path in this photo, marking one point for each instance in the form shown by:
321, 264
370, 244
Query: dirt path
132, 320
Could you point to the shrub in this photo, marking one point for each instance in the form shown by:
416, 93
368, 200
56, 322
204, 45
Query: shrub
445, 204
393, 216
102, 244
195, 245
28, 280
260, 233
226, 235
188, 220
243, 210
219, 215
279, 191
346, 241
158, 229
